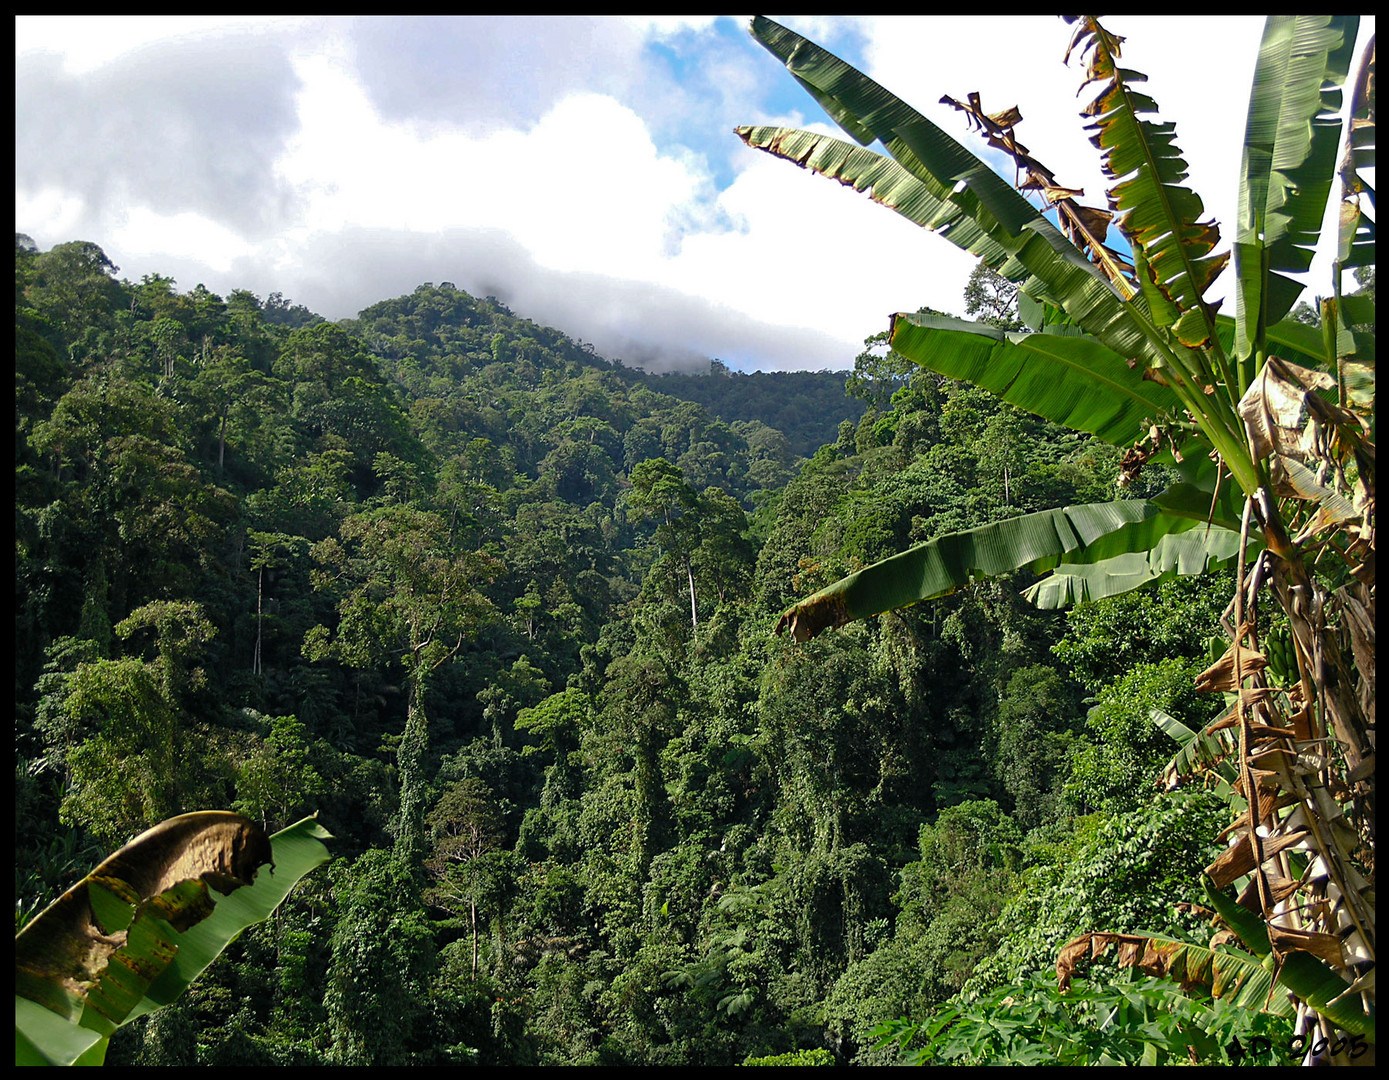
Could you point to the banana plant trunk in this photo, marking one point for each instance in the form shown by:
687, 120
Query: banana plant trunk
1347, 710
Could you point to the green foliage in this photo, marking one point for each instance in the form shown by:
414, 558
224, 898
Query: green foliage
1128, 1021
1122, 759
992, 298
1107, 638
1107, 873
949, 901
803, 406
181, 630
351, 567
382, 958
277, 775
818, 1056
557, 719
1034, 736
904, 977
118, 715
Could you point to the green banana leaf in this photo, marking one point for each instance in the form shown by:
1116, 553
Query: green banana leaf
1252, 930
1292, 137
1160, 217
135, 933
1307, 976
1232, 975
932, 205
1170, 726
1069, 380
1074, 381
1186, 549
1314, 982
1244, 979
1209, 750
1094, 549
1291, 340
939, 567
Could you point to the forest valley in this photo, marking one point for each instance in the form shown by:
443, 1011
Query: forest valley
500, 612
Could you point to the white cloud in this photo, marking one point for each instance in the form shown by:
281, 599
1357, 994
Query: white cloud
186, 236
669, 25
583, 189
817, 255
87, 42
593, 202
49, 214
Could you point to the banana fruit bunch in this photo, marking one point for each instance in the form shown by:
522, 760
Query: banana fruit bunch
1282, 658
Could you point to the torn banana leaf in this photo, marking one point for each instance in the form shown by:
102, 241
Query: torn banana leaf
131, 936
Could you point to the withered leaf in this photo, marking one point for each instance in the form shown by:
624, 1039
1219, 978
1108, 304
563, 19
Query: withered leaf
1220, 676
164, 874
1325, 946
1238, 859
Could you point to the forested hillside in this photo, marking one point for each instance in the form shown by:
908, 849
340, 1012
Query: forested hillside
805, 406
502, 615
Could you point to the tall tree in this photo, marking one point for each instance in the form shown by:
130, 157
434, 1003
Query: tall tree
466, 825
405, 595
660, 491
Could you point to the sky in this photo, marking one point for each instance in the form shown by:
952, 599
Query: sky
583, 170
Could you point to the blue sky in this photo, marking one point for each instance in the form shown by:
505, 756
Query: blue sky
581, 169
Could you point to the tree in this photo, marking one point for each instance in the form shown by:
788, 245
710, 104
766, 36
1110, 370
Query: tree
659, 490
181, 629
878, 372
1034, 725
73, 285
383, 956
992, 298
277, 774
228, 386
724, 557
1268, 419
127, 762
406, 594
466, 826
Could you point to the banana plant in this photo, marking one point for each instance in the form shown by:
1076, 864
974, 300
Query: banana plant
1269, 422
133, 934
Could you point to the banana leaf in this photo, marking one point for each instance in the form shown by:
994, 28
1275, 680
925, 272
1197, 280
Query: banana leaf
1243, 979
1292, 137
1186, 549
1232, 975
1069, 380
940, 566
1208, 750
1094, 549
1074, 381
1160, 217
1171, 727
1311, 979
1252, 930
133, 935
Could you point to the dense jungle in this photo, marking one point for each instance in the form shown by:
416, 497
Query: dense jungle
500, 612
